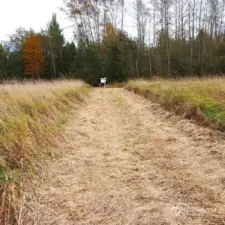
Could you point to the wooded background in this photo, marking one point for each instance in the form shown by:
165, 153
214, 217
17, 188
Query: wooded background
174, 38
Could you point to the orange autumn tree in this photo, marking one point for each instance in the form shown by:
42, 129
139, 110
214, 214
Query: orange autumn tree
33, 56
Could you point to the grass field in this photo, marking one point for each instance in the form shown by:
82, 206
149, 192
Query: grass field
199, 99
127, 160
31, 114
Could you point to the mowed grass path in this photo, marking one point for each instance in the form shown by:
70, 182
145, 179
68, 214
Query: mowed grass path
128, 161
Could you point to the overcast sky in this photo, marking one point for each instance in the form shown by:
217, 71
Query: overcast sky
30, 14
36, 14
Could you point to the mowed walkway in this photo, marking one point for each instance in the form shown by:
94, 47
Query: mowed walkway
127, 161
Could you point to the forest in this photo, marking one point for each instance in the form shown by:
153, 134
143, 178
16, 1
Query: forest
173, 38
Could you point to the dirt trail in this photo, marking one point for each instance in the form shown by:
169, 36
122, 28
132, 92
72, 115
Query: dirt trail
129, 162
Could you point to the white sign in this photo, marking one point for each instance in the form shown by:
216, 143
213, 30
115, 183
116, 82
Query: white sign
103, 80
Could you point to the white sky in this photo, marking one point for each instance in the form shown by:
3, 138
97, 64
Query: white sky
30, 14
36, 14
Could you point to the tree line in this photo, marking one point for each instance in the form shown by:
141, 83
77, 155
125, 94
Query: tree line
173, 38
19, 58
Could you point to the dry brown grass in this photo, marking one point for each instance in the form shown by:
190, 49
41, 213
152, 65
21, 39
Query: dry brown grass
128, 161
31, 114
200, 99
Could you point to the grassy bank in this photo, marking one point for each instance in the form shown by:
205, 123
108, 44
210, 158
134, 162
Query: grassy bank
202, 100
31, 115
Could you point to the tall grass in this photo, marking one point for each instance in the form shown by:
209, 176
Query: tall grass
30, 117
200, 99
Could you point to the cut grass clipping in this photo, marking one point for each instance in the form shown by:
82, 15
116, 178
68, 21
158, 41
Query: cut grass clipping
202, 100
31, 114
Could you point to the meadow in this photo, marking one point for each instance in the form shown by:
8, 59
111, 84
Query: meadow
200, 99
31, 116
